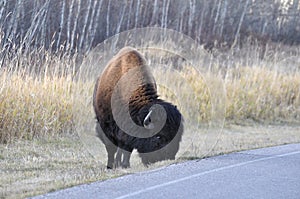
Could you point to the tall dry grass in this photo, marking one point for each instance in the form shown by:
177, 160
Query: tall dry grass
37, 92
264, 95
264, 91
35, 96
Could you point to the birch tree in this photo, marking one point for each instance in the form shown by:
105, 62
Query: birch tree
154, 15
107, 18
97, 22
69, 21
75, 26
129, 14
240, 23
137, 13
85, 23
62, 22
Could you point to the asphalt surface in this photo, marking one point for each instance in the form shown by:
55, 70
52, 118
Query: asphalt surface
263, 173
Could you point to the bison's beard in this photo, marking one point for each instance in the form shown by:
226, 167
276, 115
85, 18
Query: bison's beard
165, 144
154, 150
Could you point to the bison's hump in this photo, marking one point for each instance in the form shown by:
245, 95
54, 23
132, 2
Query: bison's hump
123, 74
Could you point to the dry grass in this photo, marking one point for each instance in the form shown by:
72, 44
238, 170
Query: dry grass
43, 165
42, 94
32, 107
47, 136
262, 95
252, 94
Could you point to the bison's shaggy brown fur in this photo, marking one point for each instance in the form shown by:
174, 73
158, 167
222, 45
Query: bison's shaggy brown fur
152, 126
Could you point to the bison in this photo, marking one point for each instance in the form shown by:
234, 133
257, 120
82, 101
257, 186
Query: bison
131, 116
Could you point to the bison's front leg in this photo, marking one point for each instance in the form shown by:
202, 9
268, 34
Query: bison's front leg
126, 159
118, 157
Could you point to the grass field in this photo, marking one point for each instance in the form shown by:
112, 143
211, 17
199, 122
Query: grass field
47, 138
42, 165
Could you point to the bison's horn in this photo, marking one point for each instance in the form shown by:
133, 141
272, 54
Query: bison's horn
147, 121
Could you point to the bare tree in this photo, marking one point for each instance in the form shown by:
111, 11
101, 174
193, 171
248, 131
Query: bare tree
80, 25
3, 4
85, 24
69, 21
155, 10
88, 37
137, 13
121, 17
75, 25
223, 16
129, 14
62, 23
191, 16
96, 25
240, 23
108, 17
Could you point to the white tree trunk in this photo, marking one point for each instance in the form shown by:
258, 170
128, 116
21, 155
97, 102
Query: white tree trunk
217, 17
2, 7
107, 18
163, 14
166, 14
223, 16
85, 22
154, 14
62, 21
121, 18
137, 13
192, 10
44, 23
69, 21
240, 24
129, 14
201, 23
90, 35
76, 20
97, 22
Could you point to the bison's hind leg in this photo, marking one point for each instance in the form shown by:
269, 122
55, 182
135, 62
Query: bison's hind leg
123, 158
110, 147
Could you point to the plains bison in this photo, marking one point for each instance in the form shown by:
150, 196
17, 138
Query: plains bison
131, 116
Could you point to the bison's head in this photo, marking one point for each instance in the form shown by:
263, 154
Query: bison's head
154, 118
164, 122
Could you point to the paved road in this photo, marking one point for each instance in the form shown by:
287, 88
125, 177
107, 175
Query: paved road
264, 173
